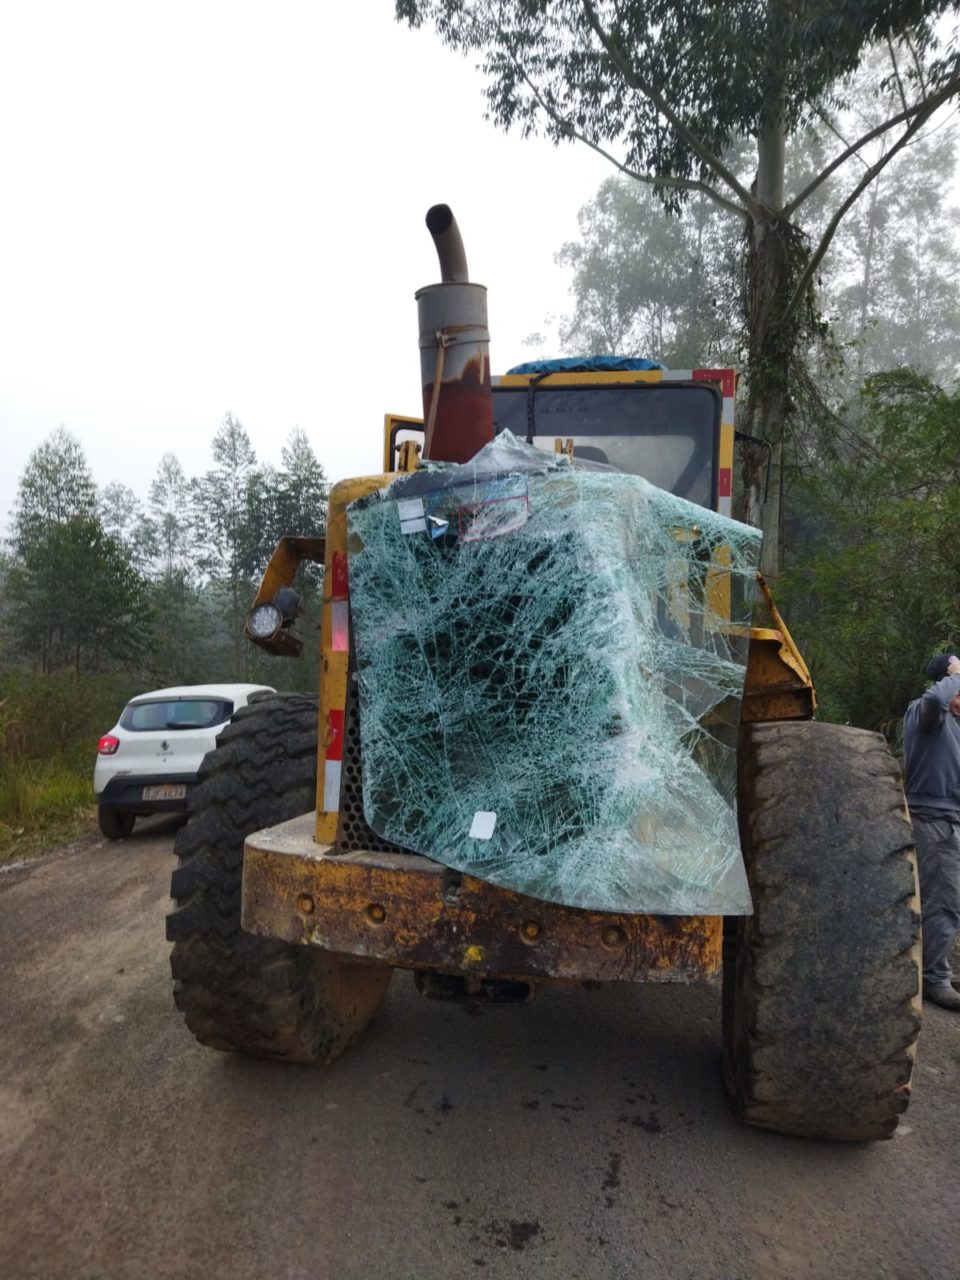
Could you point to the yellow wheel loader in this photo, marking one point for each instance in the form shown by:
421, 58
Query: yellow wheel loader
550, 748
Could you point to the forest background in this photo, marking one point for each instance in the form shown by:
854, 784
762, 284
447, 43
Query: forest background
103, 595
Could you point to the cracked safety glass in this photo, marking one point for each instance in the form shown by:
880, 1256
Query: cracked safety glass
550, 661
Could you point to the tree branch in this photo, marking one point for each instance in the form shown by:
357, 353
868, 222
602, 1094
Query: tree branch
681, 184
653, 180
896, 73
917, 63
817, 257
831, 127
922, 109
620, 61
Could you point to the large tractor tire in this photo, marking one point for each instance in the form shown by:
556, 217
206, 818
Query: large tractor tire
821, 985
240, 992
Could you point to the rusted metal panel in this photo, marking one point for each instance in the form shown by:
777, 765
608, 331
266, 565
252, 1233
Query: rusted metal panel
462, 410
778, 685
402, 909
773, 689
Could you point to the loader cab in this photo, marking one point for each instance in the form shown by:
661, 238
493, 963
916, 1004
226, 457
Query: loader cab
673, 427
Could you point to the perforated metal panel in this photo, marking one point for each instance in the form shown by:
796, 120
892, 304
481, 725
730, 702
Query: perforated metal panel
353, 832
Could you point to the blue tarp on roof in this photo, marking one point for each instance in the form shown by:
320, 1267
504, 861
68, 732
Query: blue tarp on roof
588, 364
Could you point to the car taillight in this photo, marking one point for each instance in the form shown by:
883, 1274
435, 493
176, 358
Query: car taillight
107, 746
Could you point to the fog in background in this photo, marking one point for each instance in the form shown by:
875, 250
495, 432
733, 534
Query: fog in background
212, 207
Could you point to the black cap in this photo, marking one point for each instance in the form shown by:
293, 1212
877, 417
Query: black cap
937, 667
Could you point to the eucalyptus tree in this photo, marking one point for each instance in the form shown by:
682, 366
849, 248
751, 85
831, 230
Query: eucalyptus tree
664, 88
226, 543
645, 282
74, 596
171, 532
122, 516
895, 295
171, 517
56, 486
302, 487
77, 600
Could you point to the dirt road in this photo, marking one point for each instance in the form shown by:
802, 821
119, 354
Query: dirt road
583, 1136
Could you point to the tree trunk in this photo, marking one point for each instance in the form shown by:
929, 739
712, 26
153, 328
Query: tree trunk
770, 266
866, 286
769, 273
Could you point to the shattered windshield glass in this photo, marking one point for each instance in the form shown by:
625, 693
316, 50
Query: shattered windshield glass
550, 679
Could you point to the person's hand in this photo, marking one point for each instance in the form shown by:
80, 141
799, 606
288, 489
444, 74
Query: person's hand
953, 666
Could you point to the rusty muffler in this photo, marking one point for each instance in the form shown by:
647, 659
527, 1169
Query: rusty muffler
454, 351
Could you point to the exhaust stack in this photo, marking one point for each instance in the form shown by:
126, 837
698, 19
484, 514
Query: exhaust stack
454, 351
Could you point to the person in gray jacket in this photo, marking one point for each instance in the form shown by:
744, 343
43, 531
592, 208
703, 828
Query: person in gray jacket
931, 757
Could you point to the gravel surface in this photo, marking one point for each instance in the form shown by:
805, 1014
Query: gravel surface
580, 1137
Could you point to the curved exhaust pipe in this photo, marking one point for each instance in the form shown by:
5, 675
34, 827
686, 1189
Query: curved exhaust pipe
442, 225
454, 351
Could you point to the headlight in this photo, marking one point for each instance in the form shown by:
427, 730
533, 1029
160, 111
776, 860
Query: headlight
264, 620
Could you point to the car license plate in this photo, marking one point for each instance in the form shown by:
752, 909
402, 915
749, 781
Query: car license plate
168, 791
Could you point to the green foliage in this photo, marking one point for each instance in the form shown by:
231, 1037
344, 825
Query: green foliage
49, 728
56, 486
221, 494
876, 590
99, 583
40, 804
650, 284
721, 70
894, 287
61, 716
668, 88
96, 584
168, 524
77, 600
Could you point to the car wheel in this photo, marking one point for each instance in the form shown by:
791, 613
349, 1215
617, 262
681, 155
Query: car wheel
115, 823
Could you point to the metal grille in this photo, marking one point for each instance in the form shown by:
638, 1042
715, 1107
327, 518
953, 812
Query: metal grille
352, 830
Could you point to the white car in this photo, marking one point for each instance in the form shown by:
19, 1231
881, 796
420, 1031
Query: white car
148, 762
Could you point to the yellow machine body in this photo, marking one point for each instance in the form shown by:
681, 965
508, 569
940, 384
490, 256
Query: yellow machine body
327, 880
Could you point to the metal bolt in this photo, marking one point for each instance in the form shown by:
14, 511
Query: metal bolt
531, 930
375, 913
613, 937
306, 904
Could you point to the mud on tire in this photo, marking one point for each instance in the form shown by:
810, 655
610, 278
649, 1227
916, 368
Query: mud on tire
821, 1003
240, 992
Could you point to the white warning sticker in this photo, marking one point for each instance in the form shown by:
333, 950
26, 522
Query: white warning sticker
410, 511
484, 822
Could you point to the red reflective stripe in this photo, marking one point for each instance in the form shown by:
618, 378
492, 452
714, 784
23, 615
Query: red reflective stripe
334, 747
724, 482
339, 573
723, 376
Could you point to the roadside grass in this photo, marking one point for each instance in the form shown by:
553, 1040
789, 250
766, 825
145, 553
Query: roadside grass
42, 803
49, 727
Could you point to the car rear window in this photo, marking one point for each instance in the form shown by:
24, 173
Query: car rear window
176, 713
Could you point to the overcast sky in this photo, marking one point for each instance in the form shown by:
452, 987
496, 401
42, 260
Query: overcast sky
219, 206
